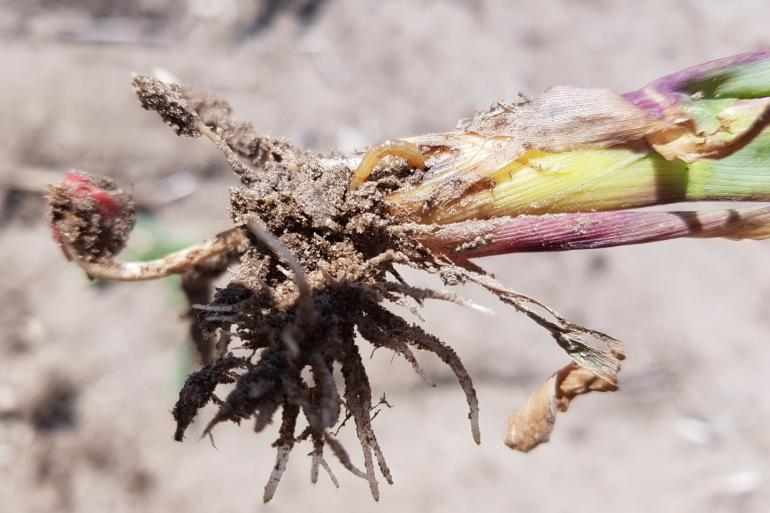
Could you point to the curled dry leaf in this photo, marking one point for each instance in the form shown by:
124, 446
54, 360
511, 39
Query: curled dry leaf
532, 424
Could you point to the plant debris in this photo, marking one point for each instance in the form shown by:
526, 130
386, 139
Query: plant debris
532, 424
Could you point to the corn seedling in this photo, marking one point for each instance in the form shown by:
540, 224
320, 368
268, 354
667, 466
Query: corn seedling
316, 239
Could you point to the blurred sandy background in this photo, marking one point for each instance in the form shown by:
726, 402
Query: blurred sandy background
88, 375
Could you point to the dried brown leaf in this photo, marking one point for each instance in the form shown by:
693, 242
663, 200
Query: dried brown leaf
533, 422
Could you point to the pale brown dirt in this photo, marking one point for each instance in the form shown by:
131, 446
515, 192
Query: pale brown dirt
686, 433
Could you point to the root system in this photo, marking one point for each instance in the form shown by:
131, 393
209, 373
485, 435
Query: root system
312, 256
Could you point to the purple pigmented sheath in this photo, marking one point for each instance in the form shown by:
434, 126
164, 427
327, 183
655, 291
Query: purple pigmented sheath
667, 92
589, 230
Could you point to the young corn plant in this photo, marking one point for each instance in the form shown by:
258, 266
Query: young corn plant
317, 238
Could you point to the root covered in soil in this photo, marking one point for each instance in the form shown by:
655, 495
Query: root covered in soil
313, 255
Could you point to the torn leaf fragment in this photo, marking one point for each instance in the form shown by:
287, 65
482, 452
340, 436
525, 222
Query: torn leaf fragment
533, 423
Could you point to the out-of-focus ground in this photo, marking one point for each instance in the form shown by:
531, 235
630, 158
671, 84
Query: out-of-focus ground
88, 374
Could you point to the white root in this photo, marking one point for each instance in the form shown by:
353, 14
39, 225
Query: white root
178, 262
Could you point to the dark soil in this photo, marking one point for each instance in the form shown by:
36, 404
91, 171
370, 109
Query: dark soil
304, 317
